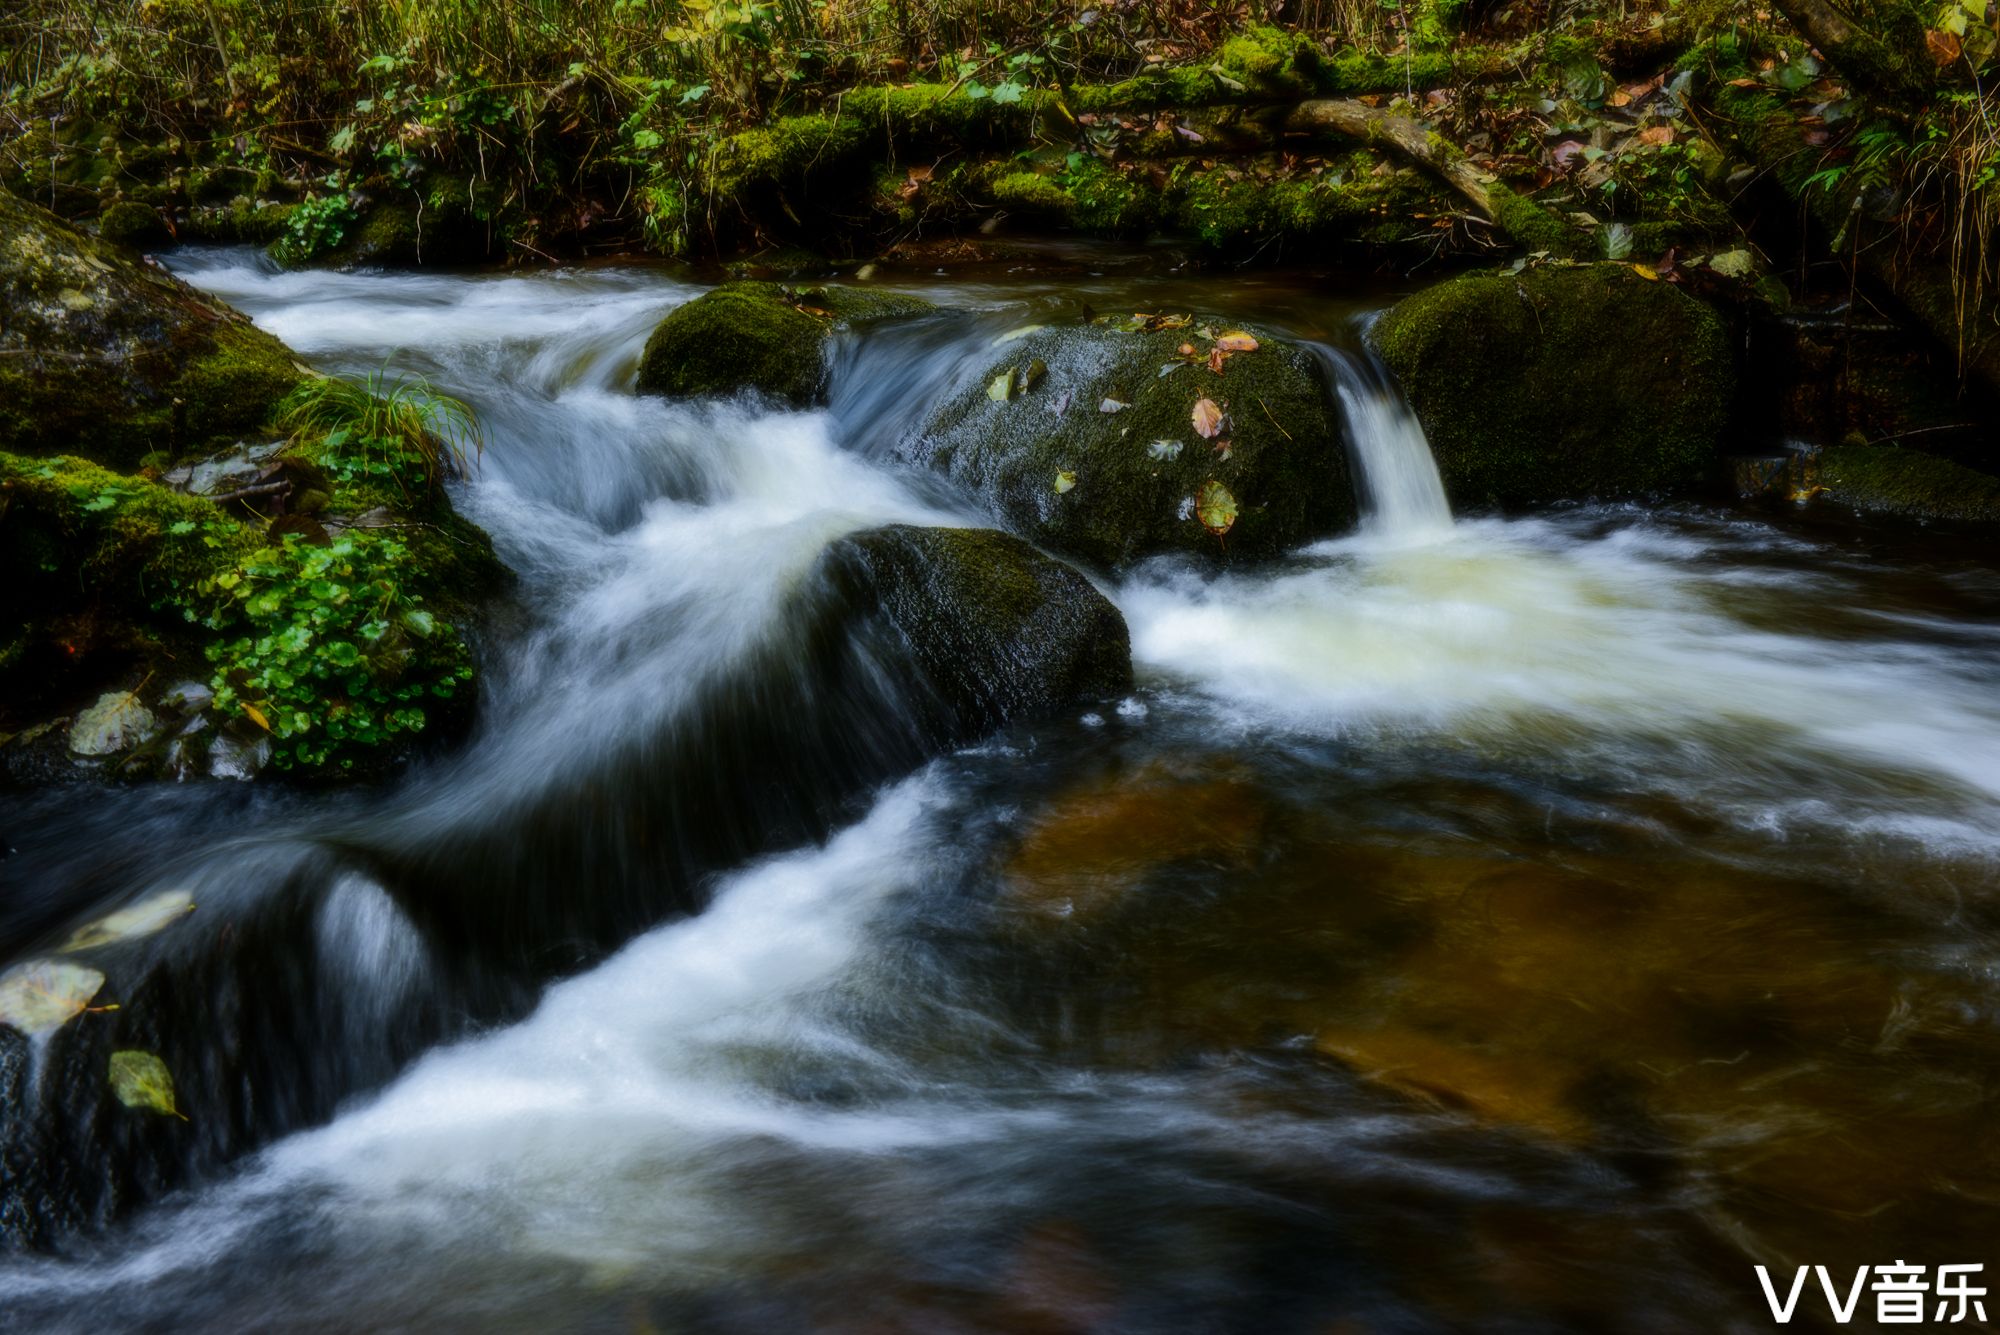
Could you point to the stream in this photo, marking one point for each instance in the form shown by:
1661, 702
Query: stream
1511, 924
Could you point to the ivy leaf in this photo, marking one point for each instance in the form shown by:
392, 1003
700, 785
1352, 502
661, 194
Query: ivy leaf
43, 995
181, 528
102, 501
141, 1080
1008, 92
141, 919
1733, 264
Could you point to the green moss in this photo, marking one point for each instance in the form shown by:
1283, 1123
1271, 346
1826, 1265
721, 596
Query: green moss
131, 224
1534, 227
758, 336
1893, 480
104, 356
1561, 383
784, 153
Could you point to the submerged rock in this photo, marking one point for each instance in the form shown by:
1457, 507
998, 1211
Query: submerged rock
759, 336
1561, 384
105, 356
1888, 479
983, 629
1105, 441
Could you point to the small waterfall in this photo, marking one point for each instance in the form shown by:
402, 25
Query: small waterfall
1401, 493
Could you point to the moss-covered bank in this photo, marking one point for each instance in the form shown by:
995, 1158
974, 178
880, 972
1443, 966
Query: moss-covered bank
104, 356
1889, 479
1563, 383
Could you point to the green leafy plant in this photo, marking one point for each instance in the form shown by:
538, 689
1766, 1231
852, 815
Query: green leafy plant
317, 226
340, 657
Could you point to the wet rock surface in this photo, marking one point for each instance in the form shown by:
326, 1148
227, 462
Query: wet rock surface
759, 336
1563, 383
1100, 441
105, 355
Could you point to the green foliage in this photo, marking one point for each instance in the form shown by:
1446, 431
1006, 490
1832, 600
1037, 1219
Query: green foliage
382, 429
340, 656
316, 227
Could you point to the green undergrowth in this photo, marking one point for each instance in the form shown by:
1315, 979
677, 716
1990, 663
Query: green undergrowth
341, 642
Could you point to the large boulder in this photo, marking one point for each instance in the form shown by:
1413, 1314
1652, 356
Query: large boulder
1085, 439
106, 356
984, 629
1562, 383
759, 336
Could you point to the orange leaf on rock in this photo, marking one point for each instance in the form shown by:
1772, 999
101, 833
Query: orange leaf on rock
1215, 507
1236, 341
1207, 418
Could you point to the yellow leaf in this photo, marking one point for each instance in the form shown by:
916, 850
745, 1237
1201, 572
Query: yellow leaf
140, 919
257, 716
43, 995
1647, 272
1207, 418
1236, 341
141, 1080
1064, 481
1216, 508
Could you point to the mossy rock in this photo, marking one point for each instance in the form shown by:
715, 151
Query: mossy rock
1111, 487
1562, 383
1888, 479
132, 224
982, 629
104, 356
759, 336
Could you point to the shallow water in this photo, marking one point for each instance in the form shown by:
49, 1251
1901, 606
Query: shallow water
1508, 924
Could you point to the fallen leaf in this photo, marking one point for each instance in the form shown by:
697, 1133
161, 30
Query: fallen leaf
1001, 387
1945, 49
114, 723
1236, 341
1215, 508
1164, 449
1657, 135
1207, 418
256, 716
141, 919
1733, 264
141, 1080
1032, 373
1647, 272
1170, 368
1222, 451
1186, 349
1065, 480
1111, 405
1216, 356
42, 995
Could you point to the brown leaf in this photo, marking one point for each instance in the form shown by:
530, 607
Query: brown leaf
1216, 357
1207, 418
1657, 135
1945, 49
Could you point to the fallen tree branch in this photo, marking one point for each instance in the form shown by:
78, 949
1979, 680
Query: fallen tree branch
1522, 219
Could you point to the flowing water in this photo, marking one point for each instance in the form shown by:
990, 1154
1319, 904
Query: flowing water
1508, 924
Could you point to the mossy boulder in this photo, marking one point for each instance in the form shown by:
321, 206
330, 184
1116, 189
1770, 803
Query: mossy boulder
1083, 439
1888, 479
105, 356
765, 337
1562, 383
982, 629
132, 224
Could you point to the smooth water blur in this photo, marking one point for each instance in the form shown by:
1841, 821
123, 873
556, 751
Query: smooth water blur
1506, 925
